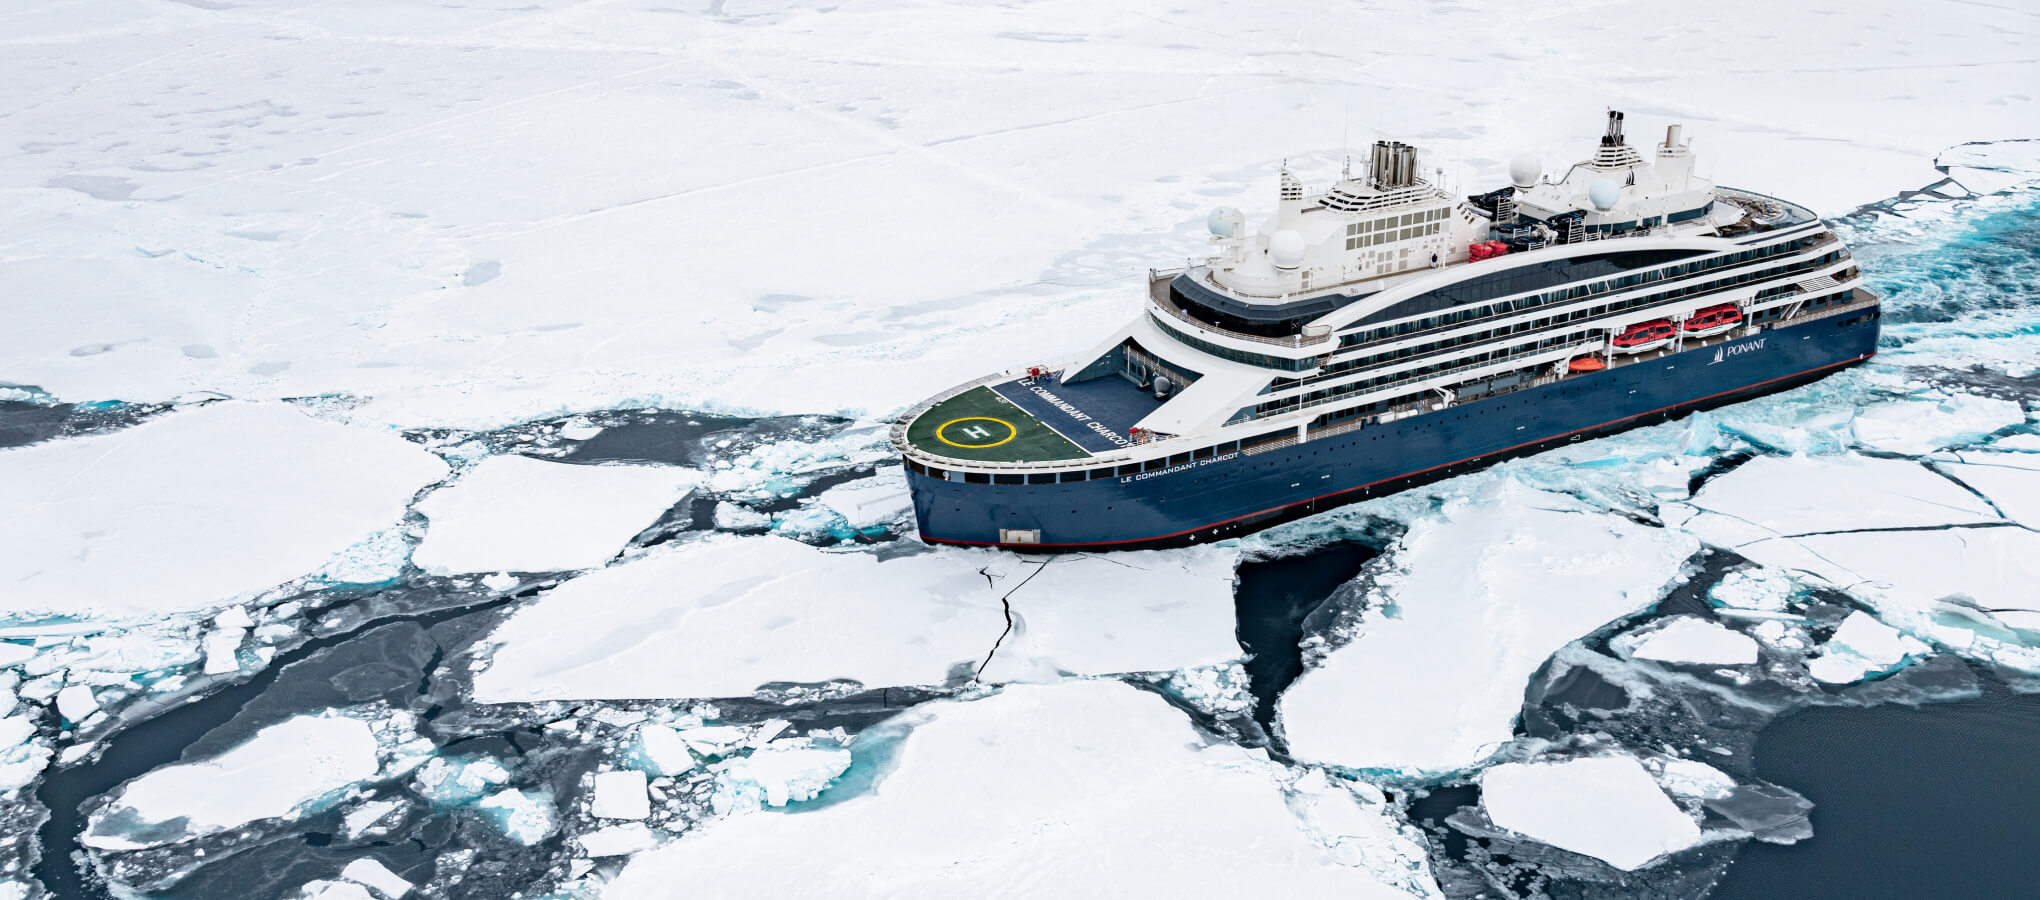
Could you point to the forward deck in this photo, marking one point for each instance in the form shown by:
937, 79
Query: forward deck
1027, 419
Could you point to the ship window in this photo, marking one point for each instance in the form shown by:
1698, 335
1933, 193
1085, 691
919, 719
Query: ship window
1101, 473
1153, 464
1409, 218
937, 473
1179, 459
1042, 478
915, 468
1007, 479
1129, 468
976, 478
1205, 453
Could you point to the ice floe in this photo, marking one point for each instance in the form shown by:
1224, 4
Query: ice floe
1086, 787
620, 795
879, 500
373, 874
1790, 495
519, 514
526, 817
1688, 639
1925, 425
1606, 807
196, 507
781, 772
2010, 480
1475, 599
1860, 648
278, 772
721, 616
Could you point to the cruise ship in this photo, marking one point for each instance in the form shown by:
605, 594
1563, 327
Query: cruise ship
1385, 333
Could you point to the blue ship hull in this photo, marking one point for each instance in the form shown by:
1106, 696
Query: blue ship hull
1230, 495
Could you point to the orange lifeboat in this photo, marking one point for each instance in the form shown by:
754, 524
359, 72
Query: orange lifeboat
1586, 364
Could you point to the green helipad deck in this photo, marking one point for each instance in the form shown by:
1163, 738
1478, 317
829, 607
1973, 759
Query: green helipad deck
981, 425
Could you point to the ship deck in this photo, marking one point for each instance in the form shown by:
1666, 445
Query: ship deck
1024, 419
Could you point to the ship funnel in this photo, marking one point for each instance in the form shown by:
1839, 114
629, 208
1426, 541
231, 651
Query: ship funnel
1671, 137
1614, 136
1393, 165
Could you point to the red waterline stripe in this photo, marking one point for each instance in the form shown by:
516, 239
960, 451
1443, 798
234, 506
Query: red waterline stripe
1370, 484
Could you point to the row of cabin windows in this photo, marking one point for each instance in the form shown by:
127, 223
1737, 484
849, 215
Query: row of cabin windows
1391, 223
1286, 404
1361, 362
1239, 356
1468, 313
1383, 237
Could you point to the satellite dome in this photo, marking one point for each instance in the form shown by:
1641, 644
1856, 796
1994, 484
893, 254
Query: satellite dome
1604, 193
1285, 249
1224, 222
1524, 169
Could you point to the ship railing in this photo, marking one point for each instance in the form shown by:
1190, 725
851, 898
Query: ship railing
1568, 350
1869, 300
1158, 292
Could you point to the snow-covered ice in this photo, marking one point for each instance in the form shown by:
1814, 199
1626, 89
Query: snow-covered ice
2010, 480
1692, 778
76, 702
545, 223
519, 514
879, 500
1689, 639
526, 817
1606, 807
621, 795
1921, 426
1079, 788
1788, 495
618, 840
277, 772
196, 507
1464, 608
372, 873
722, 615
1862, 647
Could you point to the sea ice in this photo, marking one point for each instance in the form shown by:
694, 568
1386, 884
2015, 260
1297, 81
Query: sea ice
277, 772
879, 500
1862, 647
1088, 788
2010, 480
519, 514
1692, 778
664, 750
619, 840
456, 781
621, 795
333, 890
781, 772
732, 517
659, 626
1605, 807
1922, 426
1761, 590
76, 703
374, 874
195, 507
1689, 639
525, 816
1774, 495
1475, 599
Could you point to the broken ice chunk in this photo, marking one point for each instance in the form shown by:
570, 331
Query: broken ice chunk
371, 872
1688, 639
731, 517
618, 840
1863, 647
1605, 807
334, 890
221, 648
621, 795
777, 774
458, 781
1920, 426
524, 816
519, 514
663, 749
869, 502
76, 703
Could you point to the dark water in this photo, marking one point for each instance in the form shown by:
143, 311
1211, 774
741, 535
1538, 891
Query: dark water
1272, 601
1940, 800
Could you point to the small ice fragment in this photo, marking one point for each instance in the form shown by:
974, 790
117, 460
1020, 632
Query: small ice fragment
525, 816
373, 873
16, 730
579, 429
1863, 647
14, 654
731, 517
1691, 778
778, 774
334, 890
620, 718
621, 795
769, 729
663, 748
358, 821
222, 645
714, 740
233, 617
1689, 639
76, 703
501, 581
618, 840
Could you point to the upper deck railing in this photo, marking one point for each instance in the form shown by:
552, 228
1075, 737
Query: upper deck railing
1158, 291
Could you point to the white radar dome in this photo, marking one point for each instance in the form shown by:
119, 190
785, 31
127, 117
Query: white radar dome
1604, 193
1285, 249
1524, 169
1224, 221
